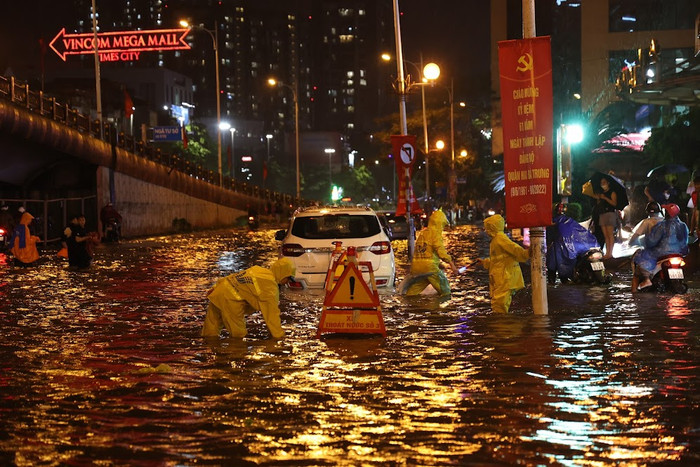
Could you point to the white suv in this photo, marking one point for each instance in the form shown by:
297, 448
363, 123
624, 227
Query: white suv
308, 242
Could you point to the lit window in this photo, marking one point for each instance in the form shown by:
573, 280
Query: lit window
350, 74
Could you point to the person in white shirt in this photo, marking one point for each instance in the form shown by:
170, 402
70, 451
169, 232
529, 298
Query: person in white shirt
654, 214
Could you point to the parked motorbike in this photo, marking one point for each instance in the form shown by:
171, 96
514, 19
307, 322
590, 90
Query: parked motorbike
668, 275
590, 268
112, 231
253, 223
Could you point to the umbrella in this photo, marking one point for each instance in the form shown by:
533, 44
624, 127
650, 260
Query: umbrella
666, 169
616, 185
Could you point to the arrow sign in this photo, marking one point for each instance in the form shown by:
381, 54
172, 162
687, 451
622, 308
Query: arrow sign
119, 41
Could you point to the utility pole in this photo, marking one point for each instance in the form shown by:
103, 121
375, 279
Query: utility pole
404, 126
538, 245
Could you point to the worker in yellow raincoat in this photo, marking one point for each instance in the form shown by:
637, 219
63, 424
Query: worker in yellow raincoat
505, 275
428, 252
24, 243
242, 293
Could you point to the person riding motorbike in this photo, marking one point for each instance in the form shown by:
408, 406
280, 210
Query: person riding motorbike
7, 224
567, 239
111, 219
653, 210
670, 236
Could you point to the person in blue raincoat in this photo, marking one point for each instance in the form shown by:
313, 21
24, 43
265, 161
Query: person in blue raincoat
667, 237
429, 251
567, 240
241, 293
505, 275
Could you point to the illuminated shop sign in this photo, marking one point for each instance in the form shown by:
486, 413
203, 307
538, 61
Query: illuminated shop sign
119, 45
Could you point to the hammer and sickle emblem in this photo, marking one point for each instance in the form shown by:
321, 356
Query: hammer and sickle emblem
526, 62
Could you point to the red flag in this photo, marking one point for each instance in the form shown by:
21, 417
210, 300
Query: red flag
264, 171
128, 105
184, 137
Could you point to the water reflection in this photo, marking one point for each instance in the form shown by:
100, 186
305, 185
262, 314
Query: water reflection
108, 367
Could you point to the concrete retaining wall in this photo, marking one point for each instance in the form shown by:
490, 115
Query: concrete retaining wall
149, 209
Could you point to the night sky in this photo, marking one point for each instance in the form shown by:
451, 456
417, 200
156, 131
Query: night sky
449, 32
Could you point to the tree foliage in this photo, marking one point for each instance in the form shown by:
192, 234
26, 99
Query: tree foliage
677, 143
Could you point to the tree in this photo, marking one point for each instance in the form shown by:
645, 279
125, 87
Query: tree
678, 142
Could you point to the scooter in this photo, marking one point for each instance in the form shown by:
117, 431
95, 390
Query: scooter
668, 275
590, 268
253, 223
112, 233
4, 239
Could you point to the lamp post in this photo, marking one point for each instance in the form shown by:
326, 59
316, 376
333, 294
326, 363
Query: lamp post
330, 152
215, 39
232, 174
268, 137
427, 75
274, 82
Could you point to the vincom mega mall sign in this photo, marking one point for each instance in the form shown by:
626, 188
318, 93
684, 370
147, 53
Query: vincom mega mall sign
119, 45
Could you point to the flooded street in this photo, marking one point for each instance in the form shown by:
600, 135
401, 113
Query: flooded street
107, 367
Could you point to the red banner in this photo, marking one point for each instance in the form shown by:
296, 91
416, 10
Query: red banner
404, 151
526, 107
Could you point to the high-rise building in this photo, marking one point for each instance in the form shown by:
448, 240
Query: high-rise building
327, 50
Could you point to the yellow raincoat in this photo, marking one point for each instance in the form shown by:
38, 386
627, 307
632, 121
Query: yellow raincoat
242, 293
24, 243
505, 275
429, 250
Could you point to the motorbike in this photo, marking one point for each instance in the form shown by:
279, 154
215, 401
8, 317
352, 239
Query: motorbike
4, 239
112, 233
590, 267
668, 275
253, 223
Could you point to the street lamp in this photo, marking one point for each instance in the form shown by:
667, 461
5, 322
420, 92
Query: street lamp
273, 82
430, 73
268, 137
330, 152
232, 174
215, 39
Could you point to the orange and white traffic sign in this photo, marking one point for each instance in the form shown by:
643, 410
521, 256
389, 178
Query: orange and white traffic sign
351, 290
351, 321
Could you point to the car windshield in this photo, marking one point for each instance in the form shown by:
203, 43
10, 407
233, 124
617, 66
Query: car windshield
330, 226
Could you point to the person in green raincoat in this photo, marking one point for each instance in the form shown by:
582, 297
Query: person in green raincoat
429, 251
241, 293
505, 275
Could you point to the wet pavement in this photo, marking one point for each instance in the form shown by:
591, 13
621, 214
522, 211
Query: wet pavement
107, 367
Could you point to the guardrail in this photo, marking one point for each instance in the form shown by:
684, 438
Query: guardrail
39, 103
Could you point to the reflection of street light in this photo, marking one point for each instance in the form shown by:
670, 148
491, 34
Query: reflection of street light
215, 39
274, 82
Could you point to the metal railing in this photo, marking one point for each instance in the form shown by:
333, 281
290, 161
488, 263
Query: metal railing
38, 102
51, 215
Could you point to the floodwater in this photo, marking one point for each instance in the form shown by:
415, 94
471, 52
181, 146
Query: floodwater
106, 367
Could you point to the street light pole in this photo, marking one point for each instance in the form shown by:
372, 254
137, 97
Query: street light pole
274, 82
404, 127
233, 157
215, 39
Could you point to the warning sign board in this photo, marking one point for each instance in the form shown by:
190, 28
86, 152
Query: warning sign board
352, 321
351, 290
